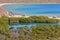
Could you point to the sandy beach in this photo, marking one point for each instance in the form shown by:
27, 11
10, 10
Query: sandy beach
2, 4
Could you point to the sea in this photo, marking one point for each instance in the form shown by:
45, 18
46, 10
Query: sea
34, 9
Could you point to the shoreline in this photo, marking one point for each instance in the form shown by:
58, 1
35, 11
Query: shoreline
2, 4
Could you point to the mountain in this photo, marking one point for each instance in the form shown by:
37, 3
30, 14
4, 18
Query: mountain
30, 1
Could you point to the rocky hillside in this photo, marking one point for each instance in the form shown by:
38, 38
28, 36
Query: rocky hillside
30, 1
3, 12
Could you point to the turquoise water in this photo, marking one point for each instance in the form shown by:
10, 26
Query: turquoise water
33, 24
33, 9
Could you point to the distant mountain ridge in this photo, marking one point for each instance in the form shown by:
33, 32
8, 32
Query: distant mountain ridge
29, 1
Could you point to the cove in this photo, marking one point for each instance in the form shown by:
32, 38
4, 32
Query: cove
34, 9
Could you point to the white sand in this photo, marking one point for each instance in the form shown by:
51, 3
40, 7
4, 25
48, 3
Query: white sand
2, 4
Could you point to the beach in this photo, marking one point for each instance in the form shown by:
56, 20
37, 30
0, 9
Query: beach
2, 4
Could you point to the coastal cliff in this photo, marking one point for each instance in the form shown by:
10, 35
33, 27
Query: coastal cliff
3, 12
30, 1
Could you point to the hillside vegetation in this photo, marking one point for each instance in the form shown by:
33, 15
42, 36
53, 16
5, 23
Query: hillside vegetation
38, 32
32, 19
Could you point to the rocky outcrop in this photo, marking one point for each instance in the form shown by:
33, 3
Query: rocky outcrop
30, 1
3, 12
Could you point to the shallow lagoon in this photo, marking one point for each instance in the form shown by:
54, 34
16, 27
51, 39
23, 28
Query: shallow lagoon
34, 24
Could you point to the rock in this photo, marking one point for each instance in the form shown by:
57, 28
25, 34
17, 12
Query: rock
3, 12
